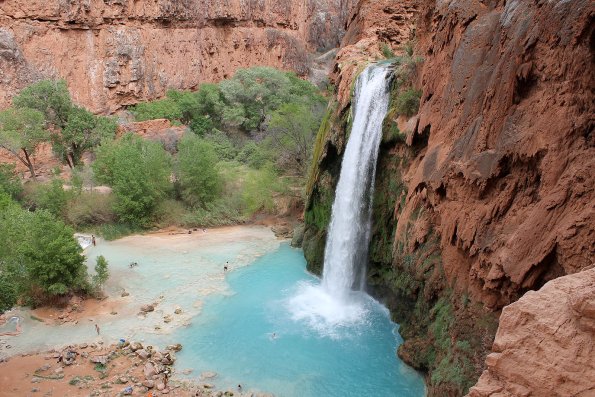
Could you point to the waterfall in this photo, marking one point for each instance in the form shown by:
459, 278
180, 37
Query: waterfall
348, 238
338, 302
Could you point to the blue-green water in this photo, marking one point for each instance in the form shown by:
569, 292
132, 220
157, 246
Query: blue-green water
233, 336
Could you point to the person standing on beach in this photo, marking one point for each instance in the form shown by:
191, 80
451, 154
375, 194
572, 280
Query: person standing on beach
93, 240
97, 328
225, 267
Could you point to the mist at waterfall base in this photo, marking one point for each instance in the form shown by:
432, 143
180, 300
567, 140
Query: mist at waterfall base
233, 336
338, 301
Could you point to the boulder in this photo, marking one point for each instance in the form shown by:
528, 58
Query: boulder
147, 308
99, 359
143, 354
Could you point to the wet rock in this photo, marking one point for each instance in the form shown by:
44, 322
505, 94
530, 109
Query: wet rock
134, 346
178, 310
167, 319
208, 375
147, 308
124, 294
176, 348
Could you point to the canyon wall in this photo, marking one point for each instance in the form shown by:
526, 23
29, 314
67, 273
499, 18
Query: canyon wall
114, 53
488, 191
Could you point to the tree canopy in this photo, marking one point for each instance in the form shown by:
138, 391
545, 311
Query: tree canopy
21, 132
50, 97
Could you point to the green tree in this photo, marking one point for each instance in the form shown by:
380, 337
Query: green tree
21, 132
292, 129
9, 181
252, 93
82, 132
200, 182
138, 171
39, 255
101, 272
50, 97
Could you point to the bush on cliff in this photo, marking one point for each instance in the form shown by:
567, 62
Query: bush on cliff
407, 103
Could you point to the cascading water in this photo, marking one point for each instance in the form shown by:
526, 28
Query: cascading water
346, 250
337, 300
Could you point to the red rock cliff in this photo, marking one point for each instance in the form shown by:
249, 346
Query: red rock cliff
490, 192
118, 52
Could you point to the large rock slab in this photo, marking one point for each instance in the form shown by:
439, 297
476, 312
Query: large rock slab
545, 345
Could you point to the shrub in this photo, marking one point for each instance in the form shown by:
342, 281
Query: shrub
259, 188
387, 52
101, 272
9, 181
161, 109
90, 208
51, 197
407, 102
254, 155
218, 213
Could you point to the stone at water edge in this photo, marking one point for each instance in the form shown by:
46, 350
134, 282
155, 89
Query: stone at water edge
143, 354
147, 308
207, 375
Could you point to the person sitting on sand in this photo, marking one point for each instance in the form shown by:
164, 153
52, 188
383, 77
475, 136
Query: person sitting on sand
225, 266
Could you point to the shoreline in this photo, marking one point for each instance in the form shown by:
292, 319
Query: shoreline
21, 357
128, 368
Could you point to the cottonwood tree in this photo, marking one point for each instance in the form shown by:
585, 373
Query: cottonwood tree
21, 132
50, 97
82, 132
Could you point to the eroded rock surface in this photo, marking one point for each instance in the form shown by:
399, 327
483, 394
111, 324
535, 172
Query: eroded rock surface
116, 53
545, 345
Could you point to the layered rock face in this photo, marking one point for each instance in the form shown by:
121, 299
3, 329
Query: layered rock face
114, 53
507, 113
485, 194
545, 343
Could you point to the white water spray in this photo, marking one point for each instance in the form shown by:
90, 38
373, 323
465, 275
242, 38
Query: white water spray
348, 238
